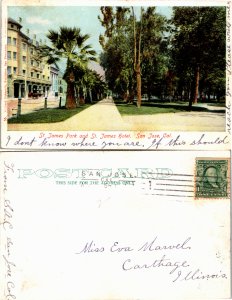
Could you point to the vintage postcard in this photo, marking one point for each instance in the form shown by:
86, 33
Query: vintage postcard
115, 225
138, 75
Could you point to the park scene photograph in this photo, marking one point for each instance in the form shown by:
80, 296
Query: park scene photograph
116, 68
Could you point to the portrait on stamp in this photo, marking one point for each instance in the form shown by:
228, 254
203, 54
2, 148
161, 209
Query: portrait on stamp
211, 178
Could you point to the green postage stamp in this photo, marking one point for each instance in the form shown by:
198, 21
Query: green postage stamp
212, 178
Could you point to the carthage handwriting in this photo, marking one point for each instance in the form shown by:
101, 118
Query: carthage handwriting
157, 263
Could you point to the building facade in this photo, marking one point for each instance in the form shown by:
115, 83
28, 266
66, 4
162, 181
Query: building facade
62, 85
28, 75
54, 70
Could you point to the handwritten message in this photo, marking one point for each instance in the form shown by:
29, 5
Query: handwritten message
228, 67
119, 140
179, 270
7, 224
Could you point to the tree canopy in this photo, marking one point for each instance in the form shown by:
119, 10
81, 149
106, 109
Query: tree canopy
198, 50
144, 53
181, 58
131, 49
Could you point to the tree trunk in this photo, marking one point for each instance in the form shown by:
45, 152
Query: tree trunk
195, 88
197, 77
181, 95
82, 96
137, 56
70, 98
191, 96
138, 79
149, 94
90, 95
77, 95
131, 97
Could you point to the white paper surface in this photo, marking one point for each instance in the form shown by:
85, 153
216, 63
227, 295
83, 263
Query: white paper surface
95, 225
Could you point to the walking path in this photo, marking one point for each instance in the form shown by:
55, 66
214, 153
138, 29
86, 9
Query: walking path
105, 116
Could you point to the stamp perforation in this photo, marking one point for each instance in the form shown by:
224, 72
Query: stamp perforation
212, 178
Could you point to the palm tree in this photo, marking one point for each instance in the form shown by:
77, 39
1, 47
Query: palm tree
70, 44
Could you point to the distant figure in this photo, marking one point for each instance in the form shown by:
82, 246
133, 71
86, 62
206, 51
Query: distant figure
211, 178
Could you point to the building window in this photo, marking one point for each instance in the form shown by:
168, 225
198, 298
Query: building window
38, 76
38, 63
24, 72
31, 51
8, 55
24, 46
24, 58
15, 70
11, 25
32, 62
14, 41
43, 76
8, 70
48, 77
32, 74
8, 40
14, 55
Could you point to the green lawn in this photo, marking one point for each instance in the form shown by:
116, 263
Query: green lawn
50, 115
150, 108
217, 104
130, 109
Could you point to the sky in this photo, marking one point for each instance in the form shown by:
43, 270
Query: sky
39, 19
